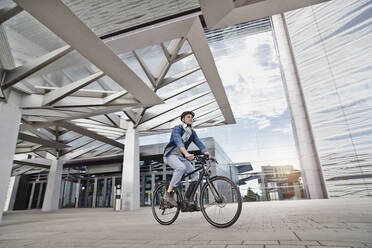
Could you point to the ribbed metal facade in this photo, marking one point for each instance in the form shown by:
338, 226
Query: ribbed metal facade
332, 45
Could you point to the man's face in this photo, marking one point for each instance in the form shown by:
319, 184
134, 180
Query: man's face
188, 119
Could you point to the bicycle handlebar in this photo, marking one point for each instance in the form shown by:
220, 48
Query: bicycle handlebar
203, 158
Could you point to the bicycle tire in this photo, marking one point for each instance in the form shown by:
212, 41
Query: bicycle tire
239, 202
157, 188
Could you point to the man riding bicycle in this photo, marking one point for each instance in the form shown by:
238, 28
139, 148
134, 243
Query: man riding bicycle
177, 157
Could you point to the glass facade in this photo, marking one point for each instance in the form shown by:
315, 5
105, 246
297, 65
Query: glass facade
332, 45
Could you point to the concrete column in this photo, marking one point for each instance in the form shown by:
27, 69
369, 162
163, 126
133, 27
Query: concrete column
95, 193
31, 196
152, 182
113, 192
10, 116
86, 193
12, 193
62, 193
104, 192
142, 200
53, 189
39, 196
263, 187
310, 165
130, 174
77, 195
70, 192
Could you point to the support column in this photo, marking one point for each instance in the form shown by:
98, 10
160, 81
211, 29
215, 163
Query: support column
142, 200
31, 198
77, 195
70, 193
62, 193
152, 182
95, 193
39, 196
53, 189
310, 165
12, 193
104, 192
10, 116
86, 193
113, 192
130, 175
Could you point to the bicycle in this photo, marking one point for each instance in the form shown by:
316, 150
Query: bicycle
220, 199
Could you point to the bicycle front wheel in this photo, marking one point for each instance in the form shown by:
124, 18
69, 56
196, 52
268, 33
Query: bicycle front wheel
164, 214
221, 202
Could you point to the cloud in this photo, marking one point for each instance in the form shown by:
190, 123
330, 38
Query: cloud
287, 129
250, 73
264, 56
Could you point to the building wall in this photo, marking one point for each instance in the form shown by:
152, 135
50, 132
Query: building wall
332, 45
95, 192
224, 166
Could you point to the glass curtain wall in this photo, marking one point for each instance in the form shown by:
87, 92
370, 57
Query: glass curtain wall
332, 45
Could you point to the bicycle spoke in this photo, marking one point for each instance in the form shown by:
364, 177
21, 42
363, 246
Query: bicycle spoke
211, 205
173, 212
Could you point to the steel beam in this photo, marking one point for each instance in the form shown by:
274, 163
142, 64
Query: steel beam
90, 134
152, 114
40, 163
203, 55
60, 19
40, 141
56, 95
7, 13
14, 76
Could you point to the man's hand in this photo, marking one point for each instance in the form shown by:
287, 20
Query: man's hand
189, 156
210, 156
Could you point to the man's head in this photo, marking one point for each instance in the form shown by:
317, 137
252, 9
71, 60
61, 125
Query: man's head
187, 117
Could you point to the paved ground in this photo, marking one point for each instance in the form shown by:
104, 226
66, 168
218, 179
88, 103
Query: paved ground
311, 224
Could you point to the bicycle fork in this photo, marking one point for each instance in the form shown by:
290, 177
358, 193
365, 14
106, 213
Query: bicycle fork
214, 191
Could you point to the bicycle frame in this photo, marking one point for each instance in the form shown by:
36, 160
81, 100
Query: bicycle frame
205, 173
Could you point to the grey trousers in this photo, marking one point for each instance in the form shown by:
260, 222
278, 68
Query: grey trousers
181, 166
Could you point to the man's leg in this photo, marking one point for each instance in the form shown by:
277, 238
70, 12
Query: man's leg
179, 169
189, 168
194, 183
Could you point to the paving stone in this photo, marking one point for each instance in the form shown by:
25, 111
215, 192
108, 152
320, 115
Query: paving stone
208, 246
282, 246
226, 242
298, 242
164, 242
245, 246
321, 246
325, 235
264, 242
193, 242
343, 243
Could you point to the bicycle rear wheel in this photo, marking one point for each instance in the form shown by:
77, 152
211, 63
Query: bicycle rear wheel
164, 214
224, 211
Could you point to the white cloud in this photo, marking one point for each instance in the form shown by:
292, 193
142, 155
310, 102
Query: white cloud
287, 129
250, 73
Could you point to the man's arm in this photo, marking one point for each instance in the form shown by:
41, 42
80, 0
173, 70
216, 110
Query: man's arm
201, 146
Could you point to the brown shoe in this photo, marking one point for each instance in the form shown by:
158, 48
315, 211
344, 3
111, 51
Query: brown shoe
195, 206
169, 199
